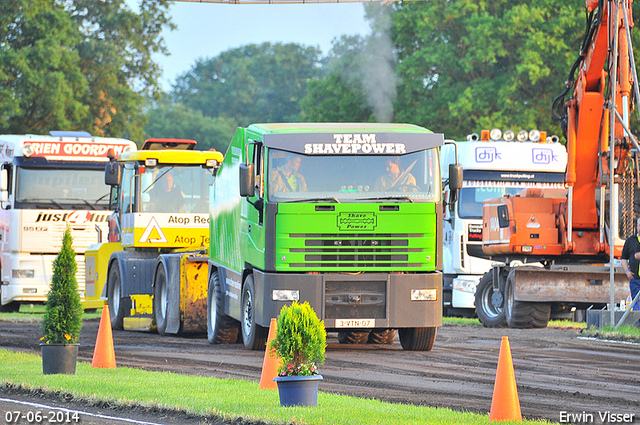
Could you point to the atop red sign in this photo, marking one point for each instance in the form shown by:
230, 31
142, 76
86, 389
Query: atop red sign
75, 150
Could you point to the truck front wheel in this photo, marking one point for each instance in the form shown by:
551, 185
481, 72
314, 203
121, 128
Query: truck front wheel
221, 329
116, 308
417, 339
519, 314
489, 303
254, 335
160, 298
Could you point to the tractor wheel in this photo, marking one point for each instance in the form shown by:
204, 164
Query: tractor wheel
116, 307
221, 329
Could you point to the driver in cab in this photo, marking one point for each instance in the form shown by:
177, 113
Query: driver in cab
166, 196
286, 178
394, 179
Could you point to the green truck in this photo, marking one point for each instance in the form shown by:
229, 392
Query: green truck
345, 216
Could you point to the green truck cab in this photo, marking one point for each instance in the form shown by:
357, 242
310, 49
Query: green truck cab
345, 216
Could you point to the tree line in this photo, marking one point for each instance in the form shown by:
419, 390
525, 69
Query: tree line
453, 66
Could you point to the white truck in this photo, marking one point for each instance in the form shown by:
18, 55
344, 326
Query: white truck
494, 164
47, 183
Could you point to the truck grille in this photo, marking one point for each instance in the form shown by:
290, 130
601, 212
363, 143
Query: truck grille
355, 300
84, 235
355, 250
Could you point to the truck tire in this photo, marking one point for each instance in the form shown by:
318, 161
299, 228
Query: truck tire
160, 298
382, 336
253, 335
489, 304
221, 329
353, 337
519, 314
417, 339
116, 307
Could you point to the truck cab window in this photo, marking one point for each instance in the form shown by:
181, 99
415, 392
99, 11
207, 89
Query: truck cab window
54, 188
256, 152
125, 192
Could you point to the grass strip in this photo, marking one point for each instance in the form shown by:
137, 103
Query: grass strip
627, 333
30, 316
566, 324
224, 398
466, 321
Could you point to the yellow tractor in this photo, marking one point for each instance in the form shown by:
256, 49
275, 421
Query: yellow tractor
153, 271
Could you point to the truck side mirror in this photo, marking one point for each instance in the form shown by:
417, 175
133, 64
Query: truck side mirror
247, 182
455, 184
455, 176
112, 174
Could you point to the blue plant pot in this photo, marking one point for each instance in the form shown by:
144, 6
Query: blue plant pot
298, 390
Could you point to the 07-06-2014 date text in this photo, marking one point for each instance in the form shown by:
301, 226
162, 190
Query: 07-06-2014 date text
41, 417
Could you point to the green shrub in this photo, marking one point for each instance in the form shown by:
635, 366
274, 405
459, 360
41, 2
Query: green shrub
300, 340
62, 319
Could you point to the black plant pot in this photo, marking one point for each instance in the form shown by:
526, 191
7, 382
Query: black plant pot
59, 358
298, 390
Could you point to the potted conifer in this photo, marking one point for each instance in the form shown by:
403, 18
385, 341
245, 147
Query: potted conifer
300, 342
62, 319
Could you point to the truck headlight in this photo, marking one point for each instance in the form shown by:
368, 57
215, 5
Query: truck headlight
424, 295
285, 295
534, 135
465, 285
522, 135
495, 134
27, 150
509, 135
23, 274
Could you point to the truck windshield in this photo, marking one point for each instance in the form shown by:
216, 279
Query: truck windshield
176, 188
78, 189
411, 177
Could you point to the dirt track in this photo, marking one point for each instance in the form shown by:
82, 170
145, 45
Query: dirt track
555, 371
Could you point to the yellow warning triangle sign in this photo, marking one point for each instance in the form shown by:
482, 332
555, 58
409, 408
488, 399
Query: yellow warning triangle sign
533, 222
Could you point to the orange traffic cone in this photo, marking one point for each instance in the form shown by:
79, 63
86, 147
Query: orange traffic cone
271, 361
505, 404
104, 354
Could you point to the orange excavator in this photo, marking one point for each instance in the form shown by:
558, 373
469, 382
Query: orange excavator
553, 248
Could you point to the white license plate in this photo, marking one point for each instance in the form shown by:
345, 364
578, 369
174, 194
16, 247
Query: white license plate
355, 323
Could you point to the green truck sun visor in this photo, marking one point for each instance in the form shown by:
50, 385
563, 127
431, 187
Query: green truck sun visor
353, 143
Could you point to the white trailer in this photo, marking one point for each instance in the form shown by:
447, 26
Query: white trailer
46, 184
492, 167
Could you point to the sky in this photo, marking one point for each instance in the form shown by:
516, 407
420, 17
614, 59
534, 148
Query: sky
207, 29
